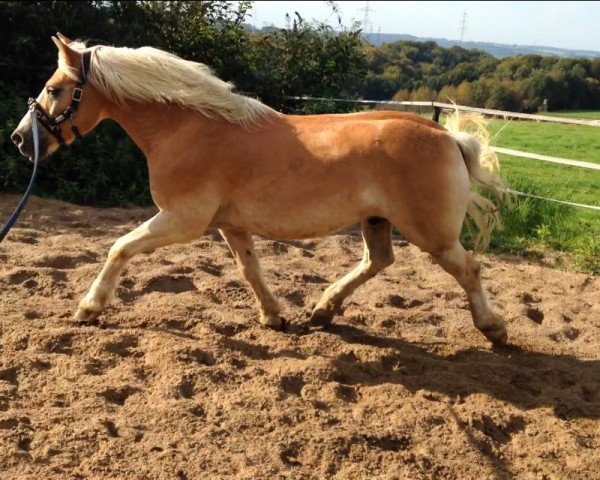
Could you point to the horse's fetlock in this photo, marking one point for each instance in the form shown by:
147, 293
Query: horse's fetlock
387, 260
269, 310
90, 304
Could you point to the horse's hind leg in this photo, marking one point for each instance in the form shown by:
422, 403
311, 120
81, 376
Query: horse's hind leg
461, 265
163, 229
242, 246
378, 254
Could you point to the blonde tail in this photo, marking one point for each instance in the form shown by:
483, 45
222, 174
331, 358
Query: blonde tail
482, 164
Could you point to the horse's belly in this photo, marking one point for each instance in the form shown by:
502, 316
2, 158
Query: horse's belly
297, 218
296, 225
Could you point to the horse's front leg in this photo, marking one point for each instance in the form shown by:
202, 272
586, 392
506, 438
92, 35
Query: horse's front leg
163, 229
242, 246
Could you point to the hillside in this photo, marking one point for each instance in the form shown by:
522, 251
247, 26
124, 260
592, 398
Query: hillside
498, 50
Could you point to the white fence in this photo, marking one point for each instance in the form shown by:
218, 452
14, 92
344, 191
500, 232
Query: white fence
438, 107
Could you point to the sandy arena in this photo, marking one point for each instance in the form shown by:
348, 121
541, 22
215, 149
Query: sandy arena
179, 381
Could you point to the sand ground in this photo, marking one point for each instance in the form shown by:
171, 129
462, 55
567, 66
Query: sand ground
179, 381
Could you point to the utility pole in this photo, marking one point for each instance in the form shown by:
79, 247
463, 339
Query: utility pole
463, 27
367, 25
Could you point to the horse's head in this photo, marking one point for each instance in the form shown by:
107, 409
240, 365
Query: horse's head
67, 107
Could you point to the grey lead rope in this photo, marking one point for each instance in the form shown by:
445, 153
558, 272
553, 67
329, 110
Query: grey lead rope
36, 155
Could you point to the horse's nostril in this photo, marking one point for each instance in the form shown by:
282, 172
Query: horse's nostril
17, 139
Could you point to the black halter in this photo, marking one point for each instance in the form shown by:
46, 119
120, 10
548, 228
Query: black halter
52, 124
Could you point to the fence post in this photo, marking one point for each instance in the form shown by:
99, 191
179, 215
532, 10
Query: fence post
436, 114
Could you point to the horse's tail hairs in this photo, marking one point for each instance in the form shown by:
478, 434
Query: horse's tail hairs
473, 139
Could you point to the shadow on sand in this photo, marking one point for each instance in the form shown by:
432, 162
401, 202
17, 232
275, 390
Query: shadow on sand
568, 385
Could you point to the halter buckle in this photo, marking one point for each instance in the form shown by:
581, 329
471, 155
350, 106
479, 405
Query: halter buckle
77, 94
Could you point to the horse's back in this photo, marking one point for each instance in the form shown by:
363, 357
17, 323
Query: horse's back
376, 140
371, 115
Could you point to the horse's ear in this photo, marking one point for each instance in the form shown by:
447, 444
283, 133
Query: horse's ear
62, 38
67, 54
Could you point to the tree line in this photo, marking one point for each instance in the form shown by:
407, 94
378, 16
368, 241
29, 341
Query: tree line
409, 70
306, 58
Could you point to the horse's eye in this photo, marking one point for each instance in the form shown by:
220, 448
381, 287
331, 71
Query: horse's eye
53, 91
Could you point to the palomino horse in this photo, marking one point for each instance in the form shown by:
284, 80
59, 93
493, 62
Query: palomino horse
217, 159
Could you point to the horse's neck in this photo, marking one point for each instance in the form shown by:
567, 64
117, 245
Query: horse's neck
148, 125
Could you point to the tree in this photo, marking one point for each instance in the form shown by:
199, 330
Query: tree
460, 95
307, 59
502, 97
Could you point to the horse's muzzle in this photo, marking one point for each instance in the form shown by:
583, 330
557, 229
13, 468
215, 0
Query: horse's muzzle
23, 139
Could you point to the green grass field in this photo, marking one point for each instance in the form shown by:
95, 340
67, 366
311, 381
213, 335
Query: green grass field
567, 141
583, 114
532, 225
577, 142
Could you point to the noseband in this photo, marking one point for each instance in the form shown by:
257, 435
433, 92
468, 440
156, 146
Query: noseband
51, 124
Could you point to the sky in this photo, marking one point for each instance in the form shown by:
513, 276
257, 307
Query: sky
573, 25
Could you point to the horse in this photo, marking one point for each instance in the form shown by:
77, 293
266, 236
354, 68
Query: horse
221, 160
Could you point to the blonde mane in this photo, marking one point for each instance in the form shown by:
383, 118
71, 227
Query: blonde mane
147, 74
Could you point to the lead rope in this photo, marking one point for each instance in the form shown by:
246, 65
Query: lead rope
36, 154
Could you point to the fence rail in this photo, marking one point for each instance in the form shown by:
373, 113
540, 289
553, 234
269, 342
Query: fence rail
438, 107
546, 158
521, 116
451, 107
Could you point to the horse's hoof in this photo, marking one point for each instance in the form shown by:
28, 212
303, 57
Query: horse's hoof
86, 316
273, 321
497, 335
320, 317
